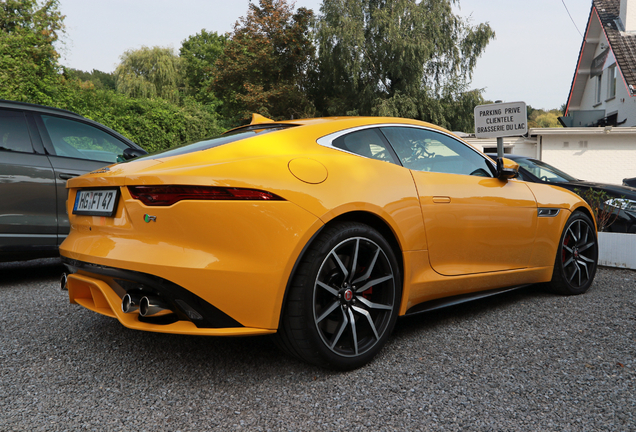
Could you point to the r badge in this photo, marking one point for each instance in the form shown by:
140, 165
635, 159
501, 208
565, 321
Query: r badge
148, 218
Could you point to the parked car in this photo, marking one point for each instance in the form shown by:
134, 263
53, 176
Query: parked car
629, 182
321, 231
40, 149
620, 199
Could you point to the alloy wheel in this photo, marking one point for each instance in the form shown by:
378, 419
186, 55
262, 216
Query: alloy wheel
578, 253
354, 296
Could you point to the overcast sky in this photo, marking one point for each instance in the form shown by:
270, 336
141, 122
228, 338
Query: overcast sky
532, 58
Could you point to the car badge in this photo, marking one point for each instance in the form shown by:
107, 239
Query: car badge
148, 218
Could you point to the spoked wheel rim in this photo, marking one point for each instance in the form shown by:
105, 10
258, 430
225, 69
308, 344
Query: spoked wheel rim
578, 253
354, 296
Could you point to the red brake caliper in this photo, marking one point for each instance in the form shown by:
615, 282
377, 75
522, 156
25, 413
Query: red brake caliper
565, 242
366, 294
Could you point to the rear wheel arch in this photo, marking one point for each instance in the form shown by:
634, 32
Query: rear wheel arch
379, 225
366, 218
288, 337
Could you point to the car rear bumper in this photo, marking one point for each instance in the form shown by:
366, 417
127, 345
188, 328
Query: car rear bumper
100, 289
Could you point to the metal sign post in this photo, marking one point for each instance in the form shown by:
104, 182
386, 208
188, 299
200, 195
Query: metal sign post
500, 150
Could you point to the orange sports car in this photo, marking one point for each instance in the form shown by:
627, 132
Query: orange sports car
320, 232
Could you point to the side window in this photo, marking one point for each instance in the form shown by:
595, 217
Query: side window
78, 140
426, 150
367, 143
14, 132
611, 81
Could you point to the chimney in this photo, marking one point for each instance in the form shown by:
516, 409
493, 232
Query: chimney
628, 15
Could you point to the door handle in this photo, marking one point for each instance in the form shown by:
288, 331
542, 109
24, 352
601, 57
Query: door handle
67, 176
441, 199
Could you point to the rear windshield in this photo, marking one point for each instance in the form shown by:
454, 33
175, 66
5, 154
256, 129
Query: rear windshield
230, 137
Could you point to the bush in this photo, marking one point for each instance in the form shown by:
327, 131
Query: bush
604, 213
154, 124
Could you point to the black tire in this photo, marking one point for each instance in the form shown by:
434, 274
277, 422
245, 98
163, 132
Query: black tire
577, 256
343, 299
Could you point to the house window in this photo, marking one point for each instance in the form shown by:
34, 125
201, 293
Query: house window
611, 81
599, 80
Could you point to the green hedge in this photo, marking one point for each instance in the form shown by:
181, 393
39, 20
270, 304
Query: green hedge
154, 124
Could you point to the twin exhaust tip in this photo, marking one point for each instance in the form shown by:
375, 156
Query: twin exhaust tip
146, 305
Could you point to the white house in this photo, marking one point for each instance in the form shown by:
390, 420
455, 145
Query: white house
603, 90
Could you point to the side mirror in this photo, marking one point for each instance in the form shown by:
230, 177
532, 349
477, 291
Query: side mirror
507, 169
131, 153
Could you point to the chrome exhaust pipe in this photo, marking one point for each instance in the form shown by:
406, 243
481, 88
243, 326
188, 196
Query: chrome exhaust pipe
63, 285
130, 303
153, 306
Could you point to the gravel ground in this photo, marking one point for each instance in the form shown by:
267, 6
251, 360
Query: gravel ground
523, 361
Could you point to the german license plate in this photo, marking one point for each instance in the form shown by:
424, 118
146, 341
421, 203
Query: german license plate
96, 202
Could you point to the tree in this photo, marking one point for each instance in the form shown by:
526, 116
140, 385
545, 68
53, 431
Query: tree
28, 61
539, 118
402, 57
549, 119
99, 79
150, 73
263, 66
199, 54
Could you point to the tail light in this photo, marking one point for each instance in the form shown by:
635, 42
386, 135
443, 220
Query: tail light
166, 195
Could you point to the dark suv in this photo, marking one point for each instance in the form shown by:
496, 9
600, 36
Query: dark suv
41, 148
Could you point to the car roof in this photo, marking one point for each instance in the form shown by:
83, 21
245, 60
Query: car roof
34, 107
62, 112
344, 121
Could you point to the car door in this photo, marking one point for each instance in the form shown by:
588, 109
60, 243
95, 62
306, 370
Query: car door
474, 222
28, 216
75, 148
